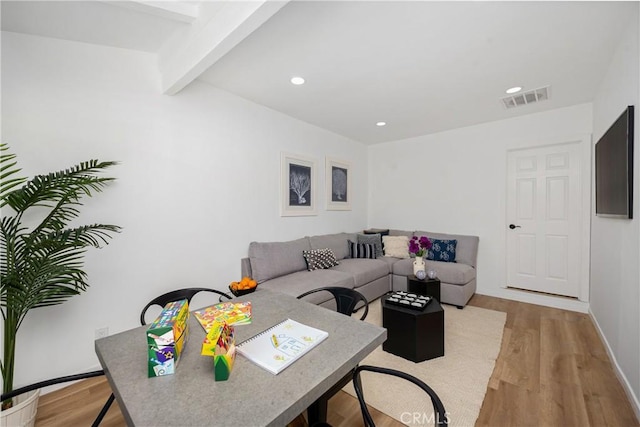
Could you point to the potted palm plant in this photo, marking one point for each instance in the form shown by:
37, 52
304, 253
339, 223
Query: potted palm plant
41, 257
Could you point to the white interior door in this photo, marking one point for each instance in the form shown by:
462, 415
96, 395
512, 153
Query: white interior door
544, 208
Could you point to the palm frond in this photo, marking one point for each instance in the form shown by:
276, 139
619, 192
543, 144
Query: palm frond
65, 185
44, 265
87, 235
7, 169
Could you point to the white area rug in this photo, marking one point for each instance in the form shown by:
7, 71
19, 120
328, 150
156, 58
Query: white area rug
472, 342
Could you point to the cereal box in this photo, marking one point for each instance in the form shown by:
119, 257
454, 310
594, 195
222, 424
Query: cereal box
166, 338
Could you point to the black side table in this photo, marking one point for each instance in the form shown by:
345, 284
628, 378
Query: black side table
413, 334
427, 286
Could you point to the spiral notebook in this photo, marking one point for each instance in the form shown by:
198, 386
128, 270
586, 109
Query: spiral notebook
279, 346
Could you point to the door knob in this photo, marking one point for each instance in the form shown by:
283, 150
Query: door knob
512, 226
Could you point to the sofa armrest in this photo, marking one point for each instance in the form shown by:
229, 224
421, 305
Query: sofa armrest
245, 267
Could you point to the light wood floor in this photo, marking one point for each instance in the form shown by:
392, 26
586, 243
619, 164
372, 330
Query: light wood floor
552, 370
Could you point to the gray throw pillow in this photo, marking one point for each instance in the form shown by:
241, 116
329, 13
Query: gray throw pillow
372, 239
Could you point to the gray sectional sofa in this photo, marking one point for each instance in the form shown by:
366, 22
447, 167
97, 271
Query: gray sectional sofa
281, 266
457, 279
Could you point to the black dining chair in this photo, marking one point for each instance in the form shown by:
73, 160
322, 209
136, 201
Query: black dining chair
61, 380
177, 295
348, 301
439, 413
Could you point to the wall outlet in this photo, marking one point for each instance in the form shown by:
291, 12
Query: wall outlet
102, 333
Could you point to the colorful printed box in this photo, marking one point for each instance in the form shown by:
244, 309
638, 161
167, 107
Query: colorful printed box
220, 344
166, 337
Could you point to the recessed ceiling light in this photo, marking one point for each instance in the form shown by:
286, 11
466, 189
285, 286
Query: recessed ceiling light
297, 80
381, 124
514, 89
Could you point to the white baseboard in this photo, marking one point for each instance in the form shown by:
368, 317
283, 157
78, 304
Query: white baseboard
539, 299
635, 403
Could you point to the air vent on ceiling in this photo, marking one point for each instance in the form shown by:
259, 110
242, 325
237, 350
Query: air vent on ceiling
526, 98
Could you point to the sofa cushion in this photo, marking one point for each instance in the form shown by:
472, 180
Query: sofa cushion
396, 246
319, 259
274, 259
466, 250
361, 250
403, 267
363, 271
297, 283
447, 272
442, 250
374, 239
454, 273
389, 261
338, 243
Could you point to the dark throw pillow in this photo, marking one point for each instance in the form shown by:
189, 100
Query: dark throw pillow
372, 239
319, 259
362, 250
442, 250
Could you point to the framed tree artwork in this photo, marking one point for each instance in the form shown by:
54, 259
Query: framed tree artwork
298, 193
338, 185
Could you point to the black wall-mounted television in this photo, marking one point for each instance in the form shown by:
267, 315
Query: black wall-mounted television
614, 168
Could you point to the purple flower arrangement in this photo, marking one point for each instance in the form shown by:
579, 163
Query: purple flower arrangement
419, 245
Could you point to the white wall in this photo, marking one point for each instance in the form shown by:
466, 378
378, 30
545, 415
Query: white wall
615, 273
455, 182
199, 179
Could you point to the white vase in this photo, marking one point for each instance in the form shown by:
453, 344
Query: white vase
23, 411
418, 264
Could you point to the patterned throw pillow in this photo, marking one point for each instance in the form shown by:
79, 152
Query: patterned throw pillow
442, 250
362, 250
318, 259
373, 239
396, 246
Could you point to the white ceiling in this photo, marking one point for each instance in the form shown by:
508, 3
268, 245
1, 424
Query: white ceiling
96, 22
420, 66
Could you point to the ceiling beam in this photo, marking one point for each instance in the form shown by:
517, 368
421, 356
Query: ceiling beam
219, 28
174, 10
